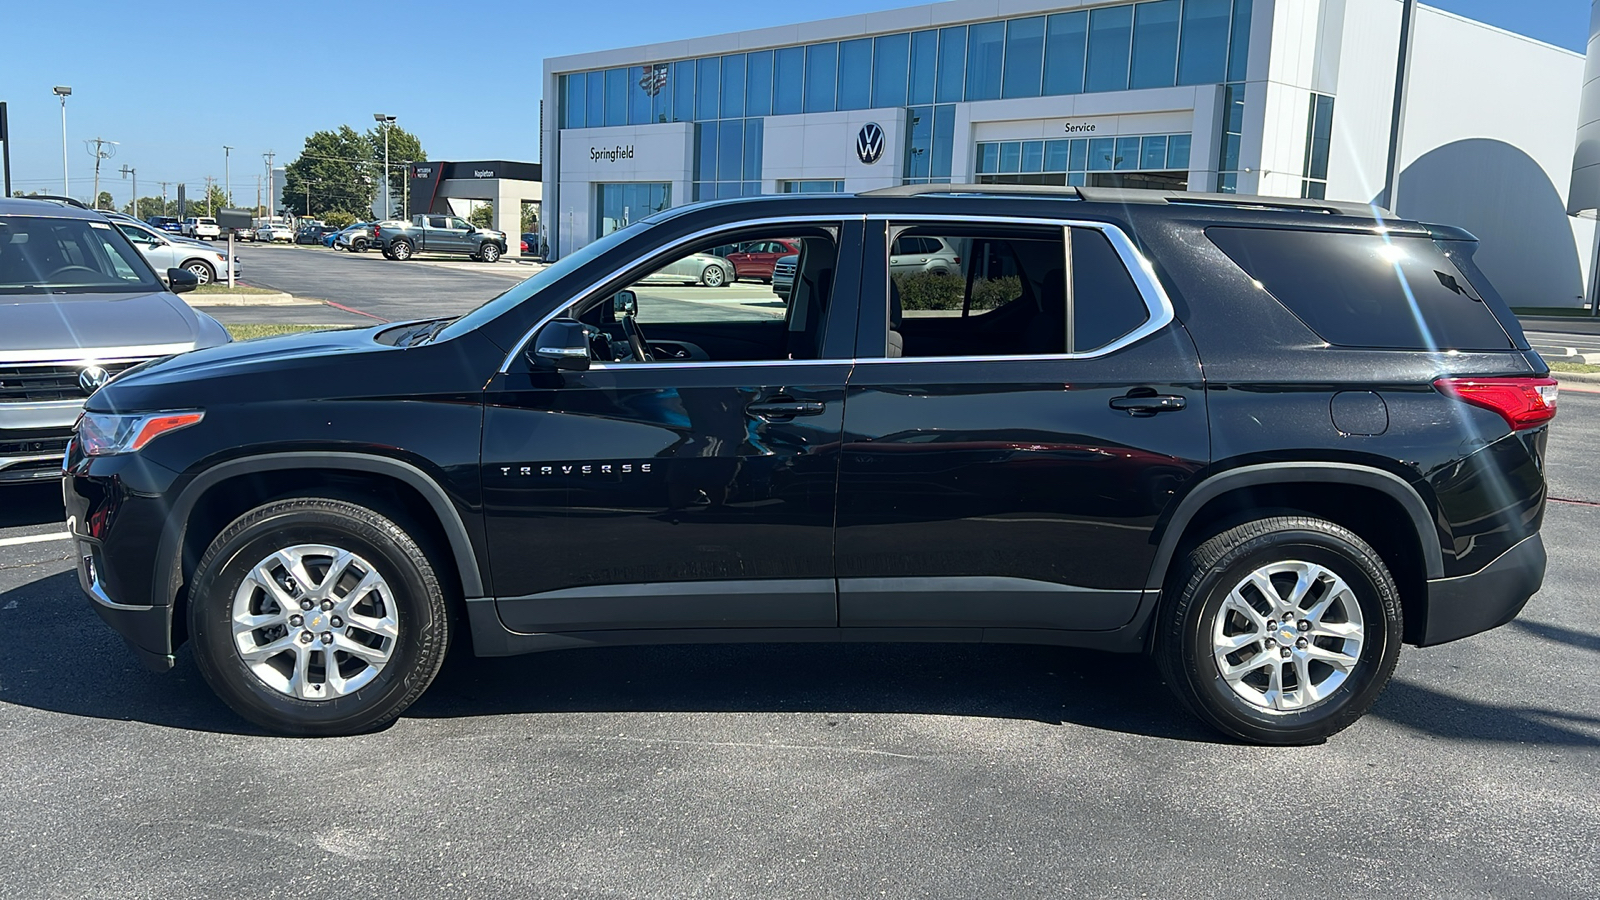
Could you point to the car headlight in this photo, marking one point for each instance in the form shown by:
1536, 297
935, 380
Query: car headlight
108, 434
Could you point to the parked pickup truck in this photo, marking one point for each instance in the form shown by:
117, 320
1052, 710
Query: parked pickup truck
201, 228
399, 239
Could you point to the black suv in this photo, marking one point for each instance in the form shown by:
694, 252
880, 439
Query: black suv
1266, 441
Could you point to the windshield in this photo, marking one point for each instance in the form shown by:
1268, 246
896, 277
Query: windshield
44, 255
551, 274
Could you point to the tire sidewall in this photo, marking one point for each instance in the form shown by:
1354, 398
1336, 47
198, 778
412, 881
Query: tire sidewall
1373, 590
210, 612
203, 271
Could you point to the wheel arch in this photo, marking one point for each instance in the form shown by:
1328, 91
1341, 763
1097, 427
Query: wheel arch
1381, 507
223, 492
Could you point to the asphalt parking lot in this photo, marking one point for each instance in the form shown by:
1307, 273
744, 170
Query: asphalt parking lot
805, 770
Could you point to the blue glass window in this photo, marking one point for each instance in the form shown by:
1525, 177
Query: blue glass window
821, 61
1110, 34
1024, 57
985, 51
616, 96
1078, 156
638, 97
758, 84
596, 91
1033, 156
752, 148
1075, 179
1153, 152
1127, 153
952, 64
730, 150
1203, 58
1055, 156
659, 86
707, 78
924, 63
1155, 44
988, 159
919, 142
788, 81
1010, 156
572, 101
1178, 151
732, 104
1101, 151
944, 141
683, 91
1239, 41
855, 74
1066, 43
889, 62
705, 151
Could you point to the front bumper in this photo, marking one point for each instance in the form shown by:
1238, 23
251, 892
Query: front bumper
147, 630
1491, 597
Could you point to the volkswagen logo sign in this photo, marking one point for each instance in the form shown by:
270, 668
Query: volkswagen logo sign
869, 143
91, 378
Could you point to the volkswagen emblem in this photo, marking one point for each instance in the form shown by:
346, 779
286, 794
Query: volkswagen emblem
92, 377
869, 143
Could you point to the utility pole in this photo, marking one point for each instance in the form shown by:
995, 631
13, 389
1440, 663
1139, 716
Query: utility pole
5, 146
227, 185
163, 196
385, 122
268, 157
101, 149
258, 195
209, 181
133, 209
64, 92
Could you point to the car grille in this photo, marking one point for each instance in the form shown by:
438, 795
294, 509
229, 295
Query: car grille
56, 381
35, 443
784, 269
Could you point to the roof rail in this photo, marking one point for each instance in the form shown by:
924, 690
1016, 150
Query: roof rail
1135, 195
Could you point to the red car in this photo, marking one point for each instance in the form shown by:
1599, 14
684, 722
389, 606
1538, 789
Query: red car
753, 261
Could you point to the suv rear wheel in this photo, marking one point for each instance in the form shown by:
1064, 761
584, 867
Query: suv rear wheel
1284, 631
315, 616
490, 253
400, 250
202, 270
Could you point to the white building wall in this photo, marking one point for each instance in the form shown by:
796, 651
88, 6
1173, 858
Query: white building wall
1364, 100
1487, 144
1585, 190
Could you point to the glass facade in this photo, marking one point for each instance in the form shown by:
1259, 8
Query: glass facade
930, 144
1232, 134
1319, 139
811, 187
727, 158
1076, 161
1156, 43
617, 205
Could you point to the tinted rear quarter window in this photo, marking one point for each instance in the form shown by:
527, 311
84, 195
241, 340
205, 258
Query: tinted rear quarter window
1367, 290
1106, 303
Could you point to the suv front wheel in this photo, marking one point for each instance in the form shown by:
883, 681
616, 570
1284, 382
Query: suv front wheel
1284, 631
315, 616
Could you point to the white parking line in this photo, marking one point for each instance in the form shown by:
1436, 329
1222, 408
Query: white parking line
35, 539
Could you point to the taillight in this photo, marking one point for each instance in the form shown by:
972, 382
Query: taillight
1522, 402
376, 231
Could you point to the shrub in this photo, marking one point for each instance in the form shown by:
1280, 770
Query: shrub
338, 218
996, 292
926, 290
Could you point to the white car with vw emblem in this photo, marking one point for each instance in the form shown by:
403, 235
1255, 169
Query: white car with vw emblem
78, 306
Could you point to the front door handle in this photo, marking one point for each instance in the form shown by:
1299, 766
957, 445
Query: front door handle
784, 408
1148, 404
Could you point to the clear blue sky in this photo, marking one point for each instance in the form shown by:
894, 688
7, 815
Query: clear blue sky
175, 81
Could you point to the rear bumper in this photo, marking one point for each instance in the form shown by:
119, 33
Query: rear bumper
1491, 597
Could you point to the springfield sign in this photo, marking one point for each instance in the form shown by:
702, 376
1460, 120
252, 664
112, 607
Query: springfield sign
610, 154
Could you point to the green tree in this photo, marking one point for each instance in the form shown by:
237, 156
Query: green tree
148, 206
530, 218
403, 146
482, 216
339, 219
333, 173
104, 201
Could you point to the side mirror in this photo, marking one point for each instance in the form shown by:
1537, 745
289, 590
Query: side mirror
625, 303
564, 344
182, 281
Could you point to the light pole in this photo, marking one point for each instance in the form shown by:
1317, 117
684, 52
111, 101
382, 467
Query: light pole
63, 92
133, 208
227, 185
385, 122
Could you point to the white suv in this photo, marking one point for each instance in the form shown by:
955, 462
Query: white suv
201, 228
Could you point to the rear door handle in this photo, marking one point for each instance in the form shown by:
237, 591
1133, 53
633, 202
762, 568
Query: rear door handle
784, 408
1149, 404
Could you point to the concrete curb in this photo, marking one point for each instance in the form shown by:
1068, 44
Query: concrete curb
274, 299
1581, 377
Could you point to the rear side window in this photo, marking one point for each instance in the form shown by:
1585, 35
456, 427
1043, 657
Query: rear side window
1367, 290
1105, 302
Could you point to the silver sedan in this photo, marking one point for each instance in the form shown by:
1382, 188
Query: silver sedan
696, 268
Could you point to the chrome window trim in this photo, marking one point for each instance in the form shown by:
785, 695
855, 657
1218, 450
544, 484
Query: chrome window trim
76, 355
1156, 301
718, 364
602, 284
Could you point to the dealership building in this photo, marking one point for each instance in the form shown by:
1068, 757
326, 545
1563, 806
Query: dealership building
1388, 102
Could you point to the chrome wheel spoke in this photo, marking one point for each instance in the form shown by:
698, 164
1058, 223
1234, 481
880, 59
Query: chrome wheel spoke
1239, 604
1344, 662
1230, 643
1236, 672
1341, 630
294, 660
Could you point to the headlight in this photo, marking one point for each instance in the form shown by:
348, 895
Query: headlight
107, 434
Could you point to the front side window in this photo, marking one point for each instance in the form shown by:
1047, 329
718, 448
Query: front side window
68, 256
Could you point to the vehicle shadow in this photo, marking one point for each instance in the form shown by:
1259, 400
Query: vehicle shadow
1457, 718
45, 621
38, 503
1568, 636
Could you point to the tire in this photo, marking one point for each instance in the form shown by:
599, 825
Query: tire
359, 247
202, 270
1205, 616
274, 691
489, 253
713, 276
400, 250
